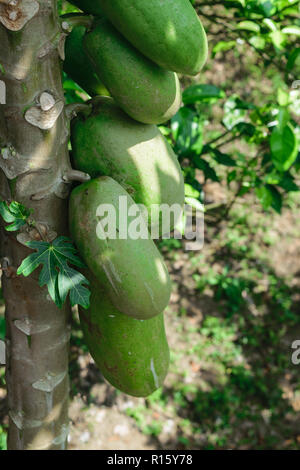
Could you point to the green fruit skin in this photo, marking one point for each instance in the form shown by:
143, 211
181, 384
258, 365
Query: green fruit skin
131, 271
169, 32
145, 91
78, 66
136, 155
133, 355
88, 6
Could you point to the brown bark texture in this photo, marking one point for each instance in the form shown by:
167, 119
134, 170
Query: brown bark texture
34, 161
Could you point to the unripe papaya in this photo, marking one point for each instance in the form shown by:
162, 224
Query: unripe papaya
145, 91
78, 66
88, 6
131, 270
133, 355
136, 155
169, 32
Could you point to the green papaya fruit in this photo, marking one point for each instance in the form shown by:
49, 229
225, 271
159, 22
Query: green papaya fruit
78, 66
138, 156
133, 355
145, 91
88, 6
131, 270
169, 32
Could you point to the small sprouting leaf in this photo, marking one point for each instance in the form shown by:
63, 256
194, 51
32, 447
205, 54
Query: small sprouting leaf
5, 213
56, 273
14, 214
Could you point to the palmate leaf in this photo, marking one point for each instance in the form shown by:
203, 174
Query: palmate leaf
14, 214
56, 274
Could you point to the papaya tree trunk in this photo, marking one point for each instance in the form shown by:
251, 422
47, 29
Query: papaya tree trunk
34, 161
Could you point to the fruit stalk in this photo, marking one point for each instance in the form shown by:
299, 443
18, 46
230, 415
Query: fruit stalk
34, 164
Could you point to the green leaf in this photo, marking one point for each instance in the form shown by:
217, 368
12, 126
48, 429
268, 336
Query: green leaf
249, 26
187, 131
270, 24
70, 280
283, 118
189, 191
284, 147
293, 57
283, 97
231, 176
258, 42
15, 226
245, 128
288, 184
15, 214
291, 30
222, 158
5, 213
267, 7
269, 196
235, 111
56, 273
278, 39
208, 171
223, 46
65, 248
2, 327
196, 93
195, 203
276, 199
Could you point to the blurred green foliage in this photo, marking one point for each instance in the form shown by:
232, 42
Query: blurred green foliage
253, 145
2, 438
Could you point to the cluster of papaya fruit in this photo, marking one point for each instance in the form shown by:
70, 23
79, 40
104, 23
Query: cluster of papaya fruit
134, 50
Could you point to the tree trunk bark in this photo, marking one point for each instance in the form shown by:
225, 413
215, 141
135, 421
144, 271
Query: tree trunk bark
35, 164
